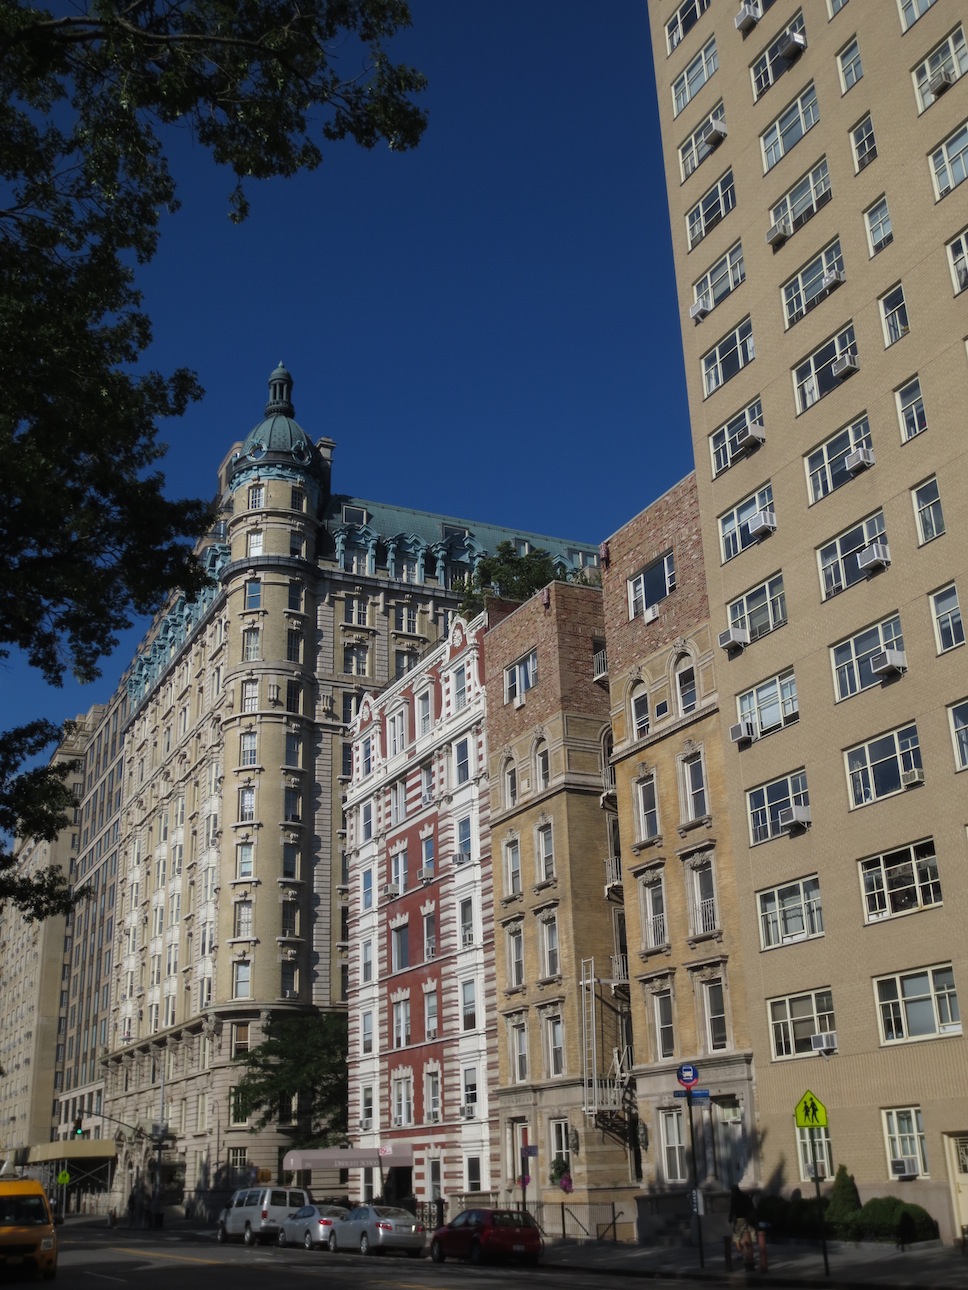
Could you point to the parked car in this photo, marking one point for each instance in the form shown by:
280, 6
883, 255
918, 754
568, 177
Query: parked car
310, 1225
371, 1229
27, 1236
481, 1234
254, 1213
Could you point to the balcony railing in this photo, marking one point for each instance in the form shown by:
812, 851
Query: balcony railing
600, 665
656, 930
613, 870
620, 967
706, 919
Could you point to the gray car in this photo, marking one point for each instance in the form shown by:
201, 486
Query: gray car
310, 1226
371, 1229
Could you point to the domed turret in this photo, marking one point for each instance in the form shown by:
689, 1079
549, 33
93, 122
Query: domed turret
279, 439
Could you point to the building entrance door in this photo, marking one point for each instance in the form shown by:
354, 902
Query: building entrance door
959, 1174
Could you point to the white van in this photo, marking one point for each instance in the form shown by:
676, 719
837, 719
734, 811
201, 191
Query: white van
254, 1213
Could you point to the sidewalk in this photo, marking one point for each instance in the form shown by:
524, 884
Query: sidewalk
929, 1264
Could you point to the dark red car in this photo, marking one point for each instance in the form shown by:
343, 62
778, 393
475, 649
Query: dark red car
481, 1234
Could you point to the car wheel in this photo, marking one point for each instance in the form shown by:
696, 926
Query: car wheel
308, 1239
281, 1238
437, 1252
333, 1243
364, 1244
248, 1236
221, 1235
477, 1254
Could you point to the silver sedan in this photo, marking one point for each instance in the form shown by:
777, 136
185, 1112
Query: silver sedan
371, 1229
310, 1226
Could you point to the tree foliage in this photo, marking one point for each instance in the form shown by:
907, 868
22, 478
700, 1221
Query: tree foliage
91, 95
507, 574
301, 1062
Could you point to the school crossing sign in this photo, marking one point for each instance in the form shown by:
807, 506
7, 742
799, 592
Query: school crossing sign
810, 1112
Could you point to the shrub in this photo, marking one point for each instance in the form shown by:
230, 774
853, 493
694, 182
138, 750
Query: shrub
888, 1218
843, 1205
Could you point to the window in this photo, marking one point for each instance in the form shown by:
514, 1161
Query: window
293, 696
427, 854
910, 410
512, 868
958, 714
900, 881
710, 209
462, 761
297, 544
244, 860
839, 567
256, 497
241, 978
469, 1089
251, 647
827, 465
521, 676
814, 377
518, 1045
728, 357
863, 143
398, 870
640, 712
240, 1039
852, 658
468, 1005
550, 961
460, 687
652, 888
648, 809
515, 950
947, 63
246, 805
761, 609
510, 785
796, 1019
813, 283
253, 594
702, 141
542, 767
401, 1100
293, 805
295, 602
464, 837
674, 1147
875, 769
949, 627
424, 717
835, 6
790, 912
805, 198
555, 1047
816, 1154
714, 1007
765, 803
466, 922
355, 610
911, 11
290, 861
242, 929
665, 1043
789, 127
652, 584
694, 805
401, 1023
734, 526
697, 72
366, 962
771, 704
293, 645
293, 749
430, 1014
879, 231
545, 853
366, 821
904, 1137
399, 948
724, 276
949, 162
398, 802
894, 316
247, 748
958, 256
918, 1005
723, 442
354, 659
851, 69
253, 544
772, 63
927, 508
366, 1032
366, 755
683, 21
703, 914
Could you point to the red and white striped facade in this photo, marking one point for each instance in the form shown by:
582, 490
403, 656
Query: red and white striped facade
421, 999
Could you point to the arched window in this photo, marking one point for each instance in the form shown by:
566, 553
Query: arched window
685, 685
542, 766
640, 711
510, 784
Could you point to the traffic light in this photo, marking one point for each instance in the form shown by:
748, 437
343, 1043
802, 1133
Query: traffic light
78, 1128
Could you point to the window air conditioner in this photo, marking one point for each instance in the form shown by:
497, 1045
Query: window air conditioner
391, 889
911, 777
875, 556
425, 875
747, 18
467, 940
715, 134
825, 1042
519, 700
467, 1111
397, 1121
791, 45
426, 799
366, 1123
762, 522
743, 732
859, 459
433, 1117
845, 366
889, 662
793, 817
749, 437
431, 1032
835, 278
779, 233
650, 613
941, 81
462, 857
700, 309
734, 638
905, 1167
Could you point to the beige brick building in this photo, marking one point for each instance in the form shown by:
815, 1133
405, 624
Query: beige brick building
815, 159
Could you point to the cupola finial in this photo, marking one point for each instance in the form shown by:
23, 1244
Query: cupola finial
280, 393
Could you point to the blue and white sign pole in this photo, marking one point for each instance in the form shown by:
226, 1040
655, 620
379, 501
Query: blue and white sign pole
688, 1077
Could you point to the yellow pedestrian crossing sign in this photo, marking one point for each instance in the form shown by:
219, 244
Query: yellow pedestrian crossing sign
810, 1112
63, 1177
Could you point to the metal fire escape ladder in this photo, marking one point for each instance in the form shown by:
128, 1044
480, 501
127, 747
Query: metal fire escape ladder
608, 1097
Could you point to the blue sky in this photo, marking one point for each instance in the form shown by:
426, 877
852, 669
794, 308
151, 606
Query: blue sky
486, 326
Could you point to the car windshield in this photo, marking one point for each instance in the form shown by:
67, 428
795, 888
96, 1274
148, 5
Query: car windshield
22, 1211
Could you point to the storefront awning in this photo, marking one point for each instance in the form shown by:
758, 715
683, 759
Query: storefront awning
385, 1157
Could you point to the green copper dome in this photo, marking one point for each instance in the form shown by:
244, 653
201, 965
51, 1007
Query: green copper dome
279, 435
